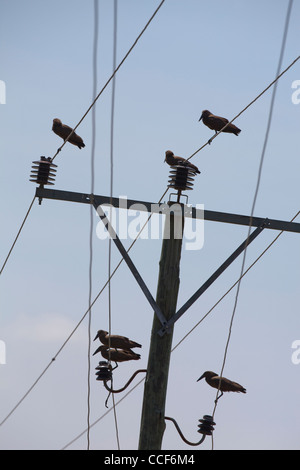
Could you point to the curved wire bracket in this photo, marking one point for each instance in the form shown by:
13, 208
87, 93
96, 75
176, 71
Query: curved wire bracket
182, 436
111, 390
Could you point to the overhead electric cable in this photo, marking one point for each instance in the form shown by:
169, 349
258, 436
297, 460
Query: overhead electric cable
112, 120
242, 111
286, 27
248, 106
19, 231
91, 229
195, 326
112, 76
98, 295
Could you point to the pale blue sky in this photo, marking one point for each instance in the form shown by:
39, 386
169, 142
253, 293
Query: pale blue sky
195, 55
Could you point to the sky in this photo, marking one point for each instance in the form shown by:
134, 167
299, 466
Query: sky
194, 55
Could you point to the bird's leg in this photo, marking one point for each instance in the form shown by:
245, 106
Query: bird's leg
115, 366
218, 397
210, 140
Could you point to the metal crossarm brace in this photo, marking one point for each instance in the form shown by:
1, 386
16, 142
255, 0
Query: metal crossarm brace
213, 277
129, 263
194, 213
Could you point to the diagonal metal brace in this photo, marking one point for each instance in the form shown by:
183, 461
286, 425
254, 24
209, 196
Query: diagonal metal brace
129, 262
213, 277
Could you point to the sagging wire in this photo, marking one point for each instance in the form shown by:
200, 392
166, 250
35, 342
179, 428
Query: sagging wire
111, 77
286, 27
246, 107
112, 120
98, 295
91, 230
17, 236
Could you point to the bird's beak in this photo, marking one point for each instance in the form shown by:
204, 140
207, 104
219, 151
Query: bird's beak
202, 376
200, 117
97, 336
97, 350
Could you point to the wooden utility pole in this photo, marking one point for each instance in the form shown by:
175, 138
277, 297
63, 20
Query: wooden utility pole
153, 412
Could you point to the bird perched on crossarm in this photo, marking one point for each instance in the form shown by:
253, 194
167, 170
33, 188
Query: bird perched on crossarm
63, 131
216, 123
225, 385
173, 160
116, 341
117, 355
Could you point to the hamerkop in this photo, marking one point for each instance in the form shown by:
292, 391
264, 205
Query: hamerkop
226, 385
216, 123
173, 160
117, 355
63, 131
116, 341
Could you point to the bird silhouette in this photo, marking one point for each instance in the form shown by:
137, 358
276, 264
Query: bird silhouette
63, 131
116, 341
216, 123
173, 160
225, 385
117, 355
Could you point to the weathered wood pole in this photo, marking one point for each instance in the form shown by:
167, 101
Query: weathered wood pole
153, 412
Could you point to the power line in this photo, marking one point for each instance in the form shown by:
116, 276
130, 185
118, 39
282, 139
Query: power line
248, 106
178, 344
286, 26
120, 262
112, 120
112, 76
105, 414
19, 231
81, 320
142, 227
91, 229
242, 111
88, 110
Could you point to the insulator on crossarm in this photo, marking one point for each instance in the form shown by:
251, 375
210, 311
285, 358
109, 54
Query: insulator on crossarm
181, 178
43, 172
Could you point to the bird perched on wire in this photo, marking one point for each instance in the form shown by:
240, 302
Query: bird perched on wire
225, 385
216, 123
117, 355
172, 160
116, 341
63, 131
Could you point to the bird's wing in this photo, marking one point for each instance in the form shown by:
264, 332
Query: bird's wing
64, 131
217, 122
